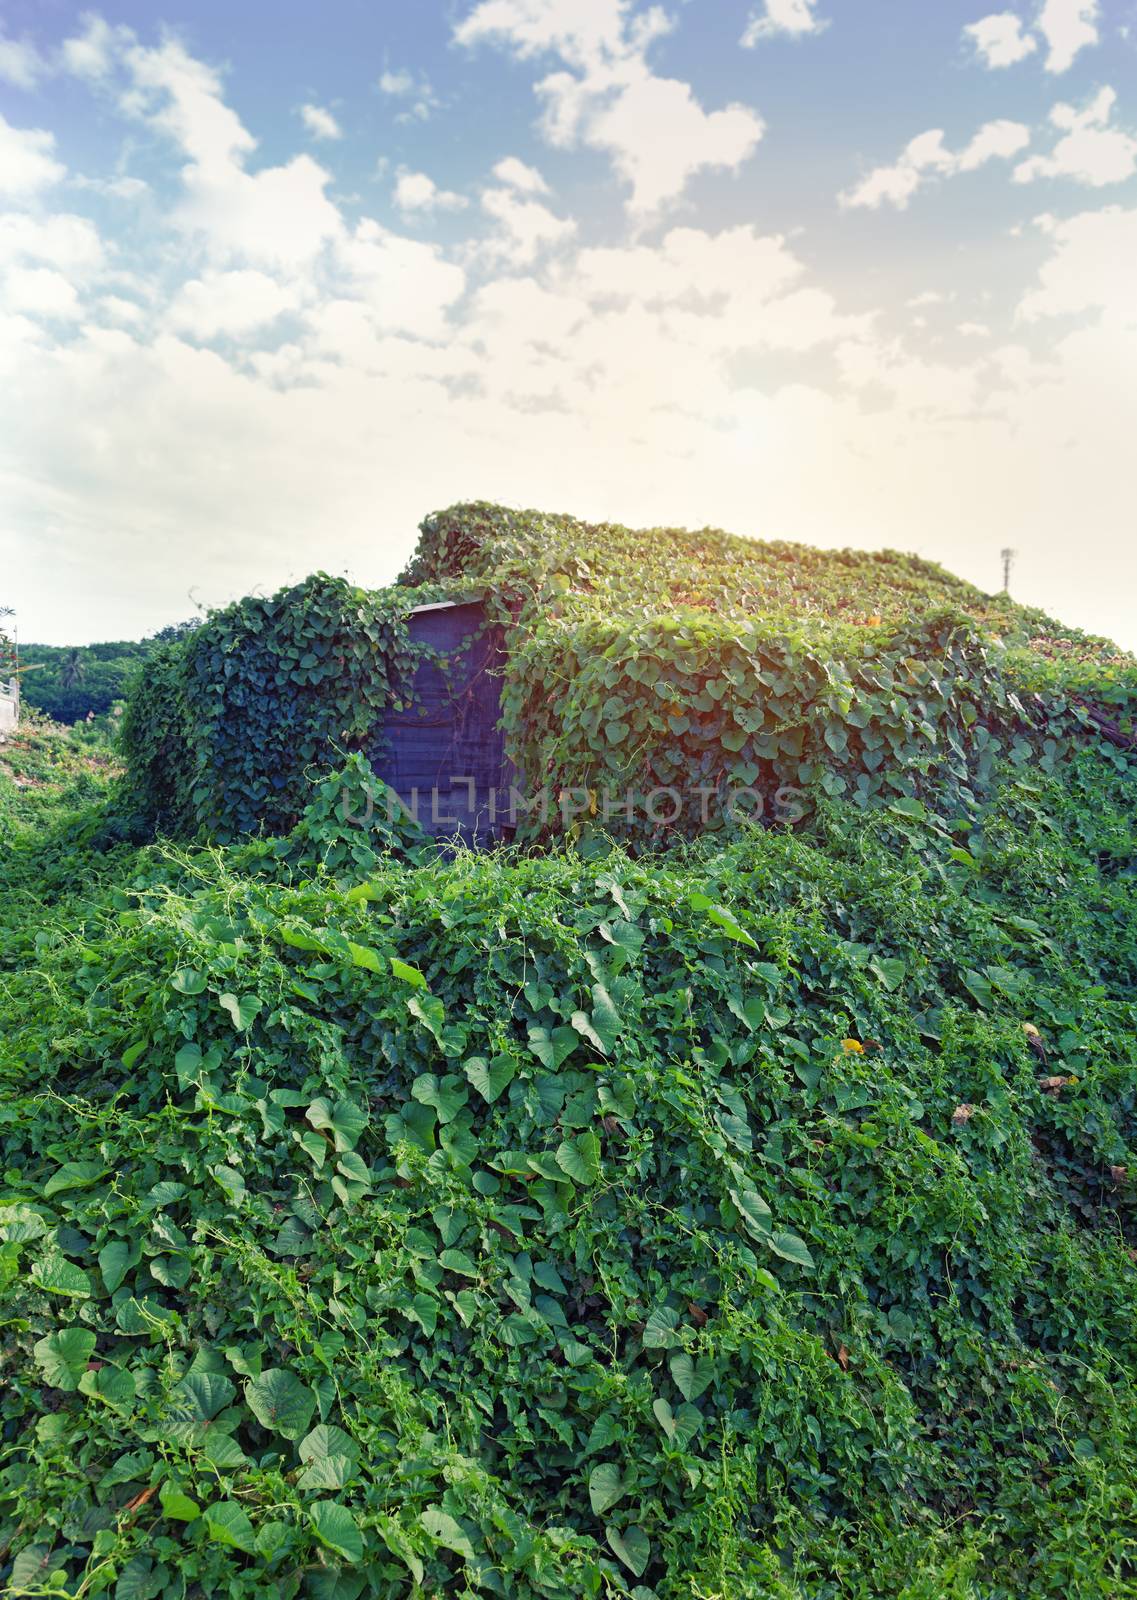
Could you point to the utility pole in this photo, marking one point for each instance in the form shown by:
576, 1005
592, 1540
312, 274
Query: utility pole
1008, 557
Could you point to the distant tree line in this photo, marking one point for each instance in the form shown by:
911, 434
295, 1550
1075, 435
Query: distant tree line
72, 682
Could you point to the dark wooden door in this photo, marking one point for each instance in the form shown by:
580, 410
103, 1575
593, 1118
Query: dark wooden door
444, 755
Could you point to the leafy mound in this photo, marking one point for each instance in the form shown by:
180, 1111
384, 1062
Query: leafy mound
652, 676
709, 1224
605, 569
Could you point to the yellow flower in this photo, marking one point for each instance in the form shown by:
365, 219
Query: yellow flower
852, 1047
1031, 1031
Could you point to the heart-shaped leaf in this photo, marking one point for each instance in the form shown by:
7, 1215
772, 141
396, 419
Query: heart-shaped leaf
243, 1009
280, 1402
632, 1546
63, 1356
606, 1487
489, 1078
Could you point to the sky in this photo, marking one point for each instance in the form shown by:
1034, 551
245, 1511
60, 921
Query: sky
276, 280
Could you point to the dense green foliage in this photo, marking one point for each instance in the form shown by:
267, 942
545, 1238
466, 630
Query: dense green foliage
708, 665
70, 683
227, 724
697, 1225
636, 662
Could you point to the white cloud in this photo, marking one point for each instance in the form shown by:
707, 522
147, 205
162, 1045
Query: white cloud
407, 285
231, 304
120, 310
585, 32
403, 85
276, 216
1090, 151
92, 53
65, 241
526, 227
26, 162
320, 123
926, 156
994, 141
121, 188
517, 174
417, 191
39, 291
654, 129
21, 64
1093, 267
182, 96
396, 83
1000, 40
658, 134
1068, 26
793, 17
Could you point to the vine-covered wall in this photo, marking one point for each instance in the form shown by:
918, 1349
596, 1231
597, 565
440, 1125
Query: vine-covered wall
740, 674
226, 727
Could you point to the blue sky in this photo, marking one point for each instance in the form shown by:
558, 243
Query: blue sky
275, 280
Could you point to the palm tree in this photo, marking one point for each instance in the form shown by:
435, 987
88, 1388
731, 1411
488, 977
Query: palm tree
74, 668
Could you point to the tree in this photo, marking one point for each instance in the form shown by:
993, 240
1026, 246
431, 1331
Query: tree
74, 668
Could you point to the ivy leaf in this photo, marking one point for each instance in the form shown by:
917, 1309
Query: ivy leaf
447, 1531
659, 1330
399, 1545
19, 1224
329, 1473
200, 1396
979, 987
228, 1524
176, 1504
692, 1378
327, 1440
54, 1274
552, 1047
408, 974
447, 1095
606, 1487
74, 1175
489, 1078
172, 1272
632, 1546
363, 956
723, 918
755, 1213
244, 1010
115, 1388
430, 1011
62, 1357
580, 1157
139, 1579
280, 1402
344, 1121
187, 980
790, 1247
890, 970
229, 1179
116, 1260
605, 1018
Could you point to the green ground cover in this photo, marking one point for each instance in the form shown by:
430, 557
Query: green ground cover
533, 1226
